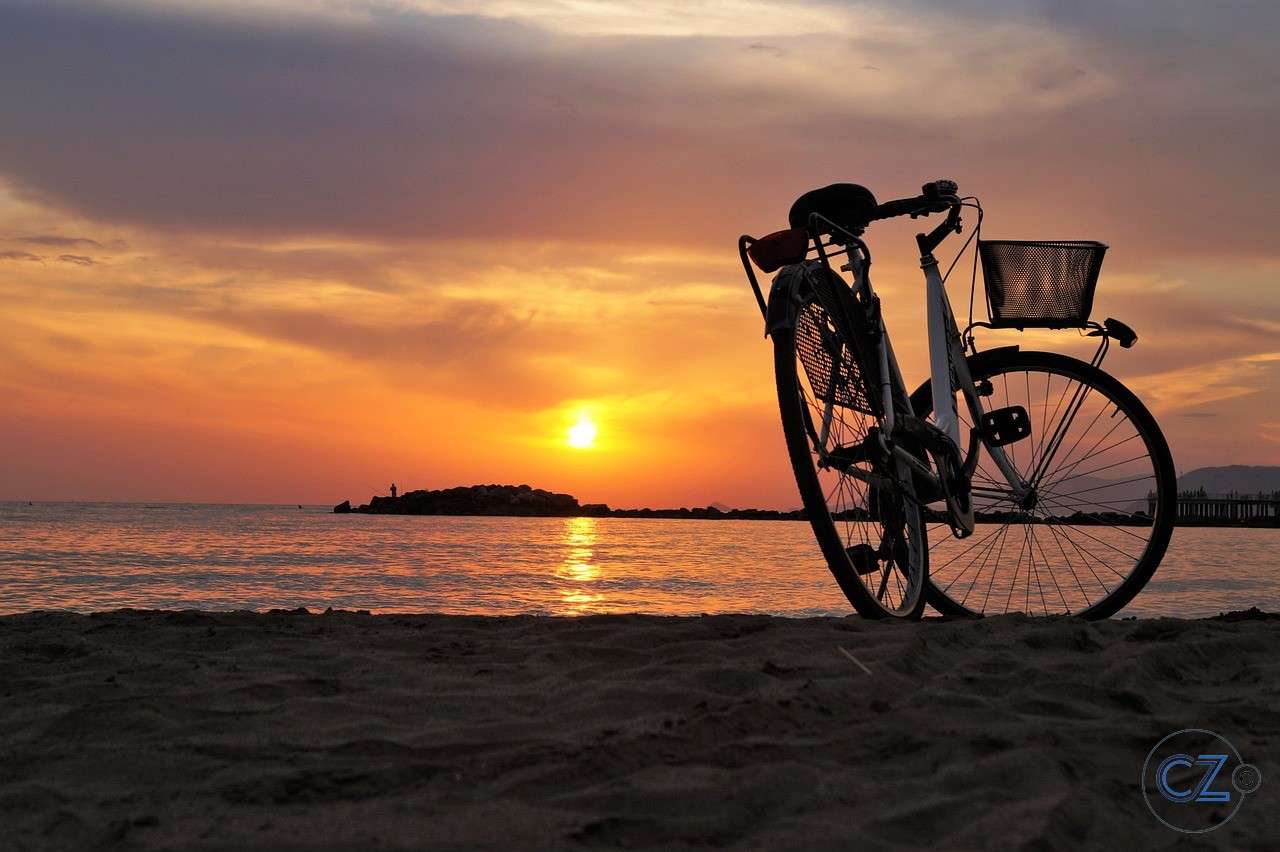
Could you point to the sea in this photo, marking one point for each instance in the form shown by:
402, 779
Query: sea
99, 556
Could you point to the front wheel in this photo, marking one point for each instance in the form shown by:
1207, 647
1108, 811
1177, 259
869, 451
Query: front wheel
873, 536
1100, 514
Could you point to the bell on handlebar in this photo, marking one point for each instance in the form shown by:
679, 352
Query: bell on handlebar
941, 187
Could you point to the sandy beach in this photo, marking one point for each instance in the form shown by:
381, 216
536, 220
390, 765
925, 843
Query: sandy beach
287, 730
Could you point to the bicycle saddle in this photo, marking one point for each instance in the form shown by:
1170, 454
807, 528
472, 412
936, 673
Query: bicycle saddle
847, 204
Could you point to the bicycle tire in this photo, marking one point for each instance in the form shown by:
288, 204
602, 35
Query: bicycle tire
834, 548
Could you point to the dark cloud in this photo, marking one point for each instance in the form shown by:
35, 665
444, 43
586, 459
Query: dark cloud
455, 126
58, 242
19, 255
77, 259
423, 129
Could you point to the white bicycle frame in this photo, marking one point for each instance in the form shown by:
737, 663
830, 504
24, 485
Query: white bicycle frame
948, 369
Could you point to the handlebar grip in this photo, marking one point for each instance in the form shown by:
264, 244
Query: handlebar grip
937, 197
903, 206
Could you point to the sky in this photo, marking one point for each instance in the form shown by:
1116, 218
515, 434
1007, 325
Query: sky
291, 251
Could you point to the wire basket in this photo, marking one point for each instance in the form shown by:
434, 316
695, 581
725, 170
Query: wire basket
1040, 283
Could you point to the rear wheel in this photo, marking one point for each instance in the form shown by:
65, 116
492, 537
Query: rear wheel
1093, 531
873, 536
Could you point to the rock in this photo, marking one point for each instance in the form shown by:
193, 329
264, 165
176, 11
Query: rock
477, 500
526, 501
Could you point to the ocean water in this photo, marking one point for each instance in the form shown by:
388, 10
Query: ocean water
96, 556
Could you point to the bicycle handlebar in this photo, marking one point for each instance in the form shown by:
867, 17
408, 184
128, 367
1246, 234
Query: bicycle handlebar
936, 197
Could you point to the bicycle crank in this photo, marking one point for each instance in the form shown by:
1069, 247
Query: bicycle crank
953, 476
957, 493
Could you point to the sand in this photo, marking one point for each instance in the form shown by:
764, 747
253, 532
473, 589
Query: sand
140, 730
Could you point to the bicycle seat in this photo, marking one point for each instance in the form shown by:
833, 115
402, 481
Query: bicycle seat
847, 204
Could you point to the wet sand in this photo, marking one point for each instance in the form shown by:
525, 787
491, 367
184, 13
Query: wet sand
139, 730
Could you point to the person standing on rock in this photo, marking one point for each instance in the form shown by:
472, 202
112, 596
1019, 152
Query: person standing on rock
393, 491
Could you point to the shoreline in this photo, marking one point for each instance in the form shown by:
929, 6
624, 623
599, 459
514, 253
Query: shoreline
711, 514
524, 501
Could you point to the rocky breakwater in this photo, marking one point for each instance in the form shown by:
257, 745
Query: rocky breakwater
525, 501
518, 500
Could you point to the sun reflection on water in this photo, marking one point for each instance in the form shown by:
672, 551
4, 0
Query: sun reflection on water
579, 569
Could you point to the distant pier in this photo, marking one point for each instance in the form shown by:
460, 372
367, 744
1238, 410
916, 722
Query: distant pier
1199, 508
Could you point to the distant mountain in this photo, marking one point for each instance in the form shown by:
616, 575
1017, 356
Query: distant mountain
718, 505
1241, 478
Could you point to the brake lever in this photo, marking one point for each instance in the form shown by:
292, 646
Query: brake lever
943, 202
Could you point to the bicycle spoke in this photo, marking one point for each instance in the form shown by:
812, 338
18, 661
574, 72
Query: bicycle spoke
1060, 433
1017, 568
997, 540
984, 554
1070, 566
1103, 522
1053, 578
1100, 487
1093, 450
994, 568
1104, 543
1083, 552
1049, 486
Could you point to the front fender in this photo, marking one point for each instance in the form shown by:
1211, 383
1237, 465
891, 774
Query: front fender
922, 398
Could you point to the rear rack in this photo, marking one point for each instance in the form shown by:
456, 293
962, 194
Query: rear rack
819, 228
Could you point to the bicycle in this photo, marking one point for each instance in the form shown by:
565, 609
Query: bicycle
1052, 479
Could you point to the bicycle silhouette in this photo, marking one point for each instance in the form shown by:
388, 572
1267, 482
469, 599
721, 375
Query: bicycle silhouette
1053, 483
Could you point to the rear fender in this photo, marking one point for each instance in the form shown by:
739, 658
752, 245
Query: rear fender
785, 300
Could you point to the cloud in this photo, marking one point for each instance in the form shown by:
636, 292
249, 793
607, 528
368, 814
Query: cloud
529, 121
473, 342
769, 49
59, 242
20, 255
1209, 382
77, 259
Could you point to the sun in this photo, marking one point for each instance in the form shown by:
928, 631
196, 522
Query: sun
582, 434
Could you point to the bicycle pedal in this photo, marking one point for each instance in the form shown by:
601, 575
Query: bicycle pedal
842, 458
864, 558
1003, 426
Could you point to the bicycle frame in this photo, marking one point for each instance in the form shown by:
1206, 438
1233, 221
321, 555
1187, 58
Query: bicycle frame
947, 364
948, 369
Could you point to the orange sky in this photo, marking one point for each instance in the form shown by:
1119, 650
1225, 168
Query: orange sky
291, 251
